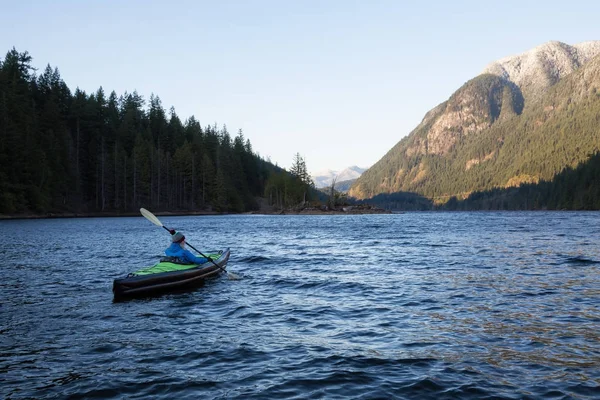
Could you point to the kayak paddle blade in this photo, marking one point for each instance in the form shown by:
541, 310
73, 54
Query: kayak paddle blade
150, 217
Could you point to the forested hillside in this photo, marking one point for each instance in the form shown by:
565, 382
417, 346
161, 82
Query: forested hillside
64, 151
488, 137
572, 189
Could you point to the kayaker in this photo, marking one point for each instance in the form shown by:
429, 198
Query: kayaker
177, 250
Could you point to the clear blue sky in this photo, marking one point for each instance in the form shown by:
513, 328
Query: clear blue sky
340, 82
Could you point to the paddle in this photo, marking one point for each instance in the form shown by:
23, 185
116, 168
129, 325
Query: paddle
152, 218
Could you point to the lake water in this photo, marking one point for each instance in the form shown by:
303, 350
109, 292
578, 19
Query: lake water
415, 305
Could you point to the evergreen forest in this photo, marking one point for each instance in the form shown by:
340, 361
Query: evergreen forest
64, 151
572, 189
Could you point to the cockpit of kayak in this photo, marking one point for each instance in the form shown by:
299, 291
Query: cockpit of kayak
168, 275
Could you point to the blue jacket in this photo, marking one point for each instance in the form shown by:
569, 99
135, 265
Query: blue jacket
185, 256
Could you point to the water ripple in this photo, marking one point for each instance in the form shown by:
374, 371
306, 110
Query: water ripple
414, 305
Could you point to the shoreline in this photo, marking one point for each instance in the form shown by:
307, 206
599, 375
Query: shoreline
16, 217
112, 214
108, 214
322, 212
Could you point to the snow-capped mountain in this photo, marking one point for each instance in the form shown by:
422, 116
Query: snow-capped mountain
324, 178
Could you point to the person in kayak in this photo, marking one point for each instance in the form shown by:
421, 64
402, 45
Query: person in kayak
178, 251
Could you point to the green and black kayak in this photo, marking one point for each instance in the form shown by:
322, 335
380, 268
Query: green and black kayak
168, 276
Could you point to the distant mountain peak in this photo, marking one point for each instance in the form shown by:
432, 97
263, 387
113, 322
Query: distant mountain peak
325, 178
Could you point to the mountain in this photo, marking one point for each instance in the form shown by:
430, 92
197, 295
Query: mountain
538, 69
344, 186
324, 178
524, 119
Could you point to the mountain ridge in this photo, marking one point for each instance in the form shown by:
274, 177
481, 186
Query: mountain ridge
492, 132
543, 66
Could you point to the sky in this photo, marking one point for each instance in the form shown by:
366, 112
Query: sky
339, 82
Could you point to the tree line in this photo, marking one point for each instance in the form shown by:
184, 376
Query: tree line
293, 189
572, 189
64, 151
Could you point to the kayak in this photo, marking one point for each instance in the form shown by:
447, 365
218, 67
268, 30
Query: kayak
169, 275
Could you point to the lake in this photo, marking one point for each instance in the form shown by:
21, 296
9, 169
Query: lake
414, 305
